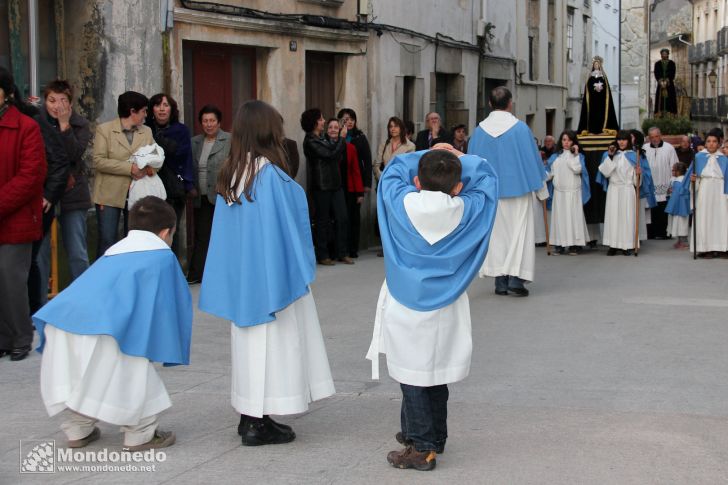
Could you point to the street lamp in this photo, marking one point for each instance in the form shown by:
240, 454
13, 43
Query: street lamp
712, 78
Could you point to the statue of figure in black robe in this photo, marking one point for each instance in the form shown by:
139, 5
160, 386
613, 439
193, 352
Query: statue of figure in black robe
597, 106
666, 96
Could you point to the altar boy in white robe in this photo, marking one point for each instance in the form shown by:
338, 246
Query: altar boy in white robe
100, 335
569, 184
435, 215
709, 174
509, 147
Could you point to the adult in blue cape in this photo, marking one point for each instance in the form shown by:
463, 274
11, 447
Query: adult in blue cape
709, 173
100, 335
436, 212
509, 147
569, 191
257, 275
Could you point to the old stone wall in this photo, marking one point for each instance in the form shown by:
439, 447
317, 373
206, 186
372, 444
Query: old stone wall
635, 57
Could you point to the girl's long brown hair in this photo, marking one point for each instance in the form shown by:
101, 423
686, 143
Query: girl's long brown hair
257, 132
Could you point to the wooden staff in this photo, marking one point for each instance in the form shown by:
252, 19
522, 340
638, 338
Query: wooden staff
546, 225
695, 223
637, 207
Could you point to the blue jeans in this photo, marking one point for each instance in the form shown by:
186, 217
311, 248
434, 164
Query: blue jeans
424, 415
73, 232
107, 221
502, 283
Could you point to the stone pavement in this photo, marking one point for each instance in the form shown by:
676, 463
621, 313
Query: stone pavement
612, 371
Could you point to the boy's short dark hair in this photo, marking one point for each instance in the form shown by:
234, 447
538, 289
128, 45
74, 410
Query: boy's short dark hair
309, 118
130, 100
500, 97
439, 170
151, 214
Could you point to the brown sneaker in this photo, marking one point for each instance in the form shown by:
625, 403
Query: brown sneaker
93, 436
346, 260
161, 439
326, 262
411, 458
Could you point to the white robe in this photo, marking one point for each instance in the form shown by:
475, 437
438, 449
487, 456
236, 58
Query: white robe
711, 212
91, 376
281, 366
677, 226
661, 159
424, 348
539, 226
568, 226
619, 215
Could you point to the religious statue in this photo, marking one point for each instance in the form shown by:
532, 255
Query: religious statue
666, 96
597, 107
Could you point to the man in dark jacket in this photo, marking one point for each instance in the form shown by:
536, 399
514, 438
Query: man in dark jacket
433, 133
74, 133
322, 159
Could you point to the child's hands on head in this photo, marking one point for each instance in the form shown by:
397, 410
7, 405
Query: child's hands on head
448, 147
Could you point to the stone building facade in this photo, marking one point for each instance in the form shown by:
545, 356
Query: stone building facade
635, 71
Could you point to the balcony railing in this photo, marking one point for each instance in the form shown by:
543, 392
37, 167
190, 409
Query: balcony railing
710, 51
704, 108
695, 53
723, 106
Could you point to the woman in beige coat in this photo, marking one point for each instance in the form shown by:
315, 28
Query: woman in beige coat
115, 142
396, 144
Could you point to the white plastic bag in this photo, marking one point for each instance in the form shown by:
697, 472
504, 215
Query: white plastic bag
147, 156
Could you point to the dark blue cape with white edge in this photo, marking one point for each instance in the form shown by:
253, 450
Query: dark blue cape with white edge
697, 167
261, 256
585, 190
647, 189
679, 202
141, 299
427, 277
514, 157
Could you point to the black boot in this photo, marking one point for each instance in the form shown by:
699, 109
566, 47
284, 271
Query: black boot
259, 431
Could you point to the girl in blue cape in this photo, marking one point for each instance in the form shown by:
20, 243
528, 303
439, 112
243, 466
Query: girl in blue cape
618, 174
709, 172
257, 275
100, 335
569, 185
436, 213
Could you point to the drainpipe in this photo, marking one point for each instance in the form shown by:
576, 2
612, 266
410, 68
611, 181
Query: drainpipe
33, 43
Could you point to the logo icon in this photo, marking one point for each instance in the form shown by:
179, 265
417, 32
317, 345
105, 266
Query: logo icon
37, 456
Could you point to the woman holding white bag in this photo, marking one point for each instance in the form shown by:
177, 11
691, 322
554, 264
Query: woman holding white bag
147, 158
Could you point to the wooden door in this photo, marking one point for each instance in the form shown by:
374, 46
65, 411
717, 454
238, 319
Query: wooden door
320, 92
223, 75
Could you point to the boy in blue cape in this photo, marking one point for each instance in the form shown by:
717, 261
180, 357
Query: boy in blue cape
678, 208
100, 335
436, 213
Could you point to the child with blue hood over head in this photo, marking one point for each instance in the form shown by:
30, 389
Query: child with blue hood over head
436, 210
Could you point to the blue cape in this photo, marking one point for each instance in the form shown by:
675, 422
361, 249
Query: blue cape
141, 299
647, 189
427, 277
701, 161
261, 257
514, 157
585, 189
679, 202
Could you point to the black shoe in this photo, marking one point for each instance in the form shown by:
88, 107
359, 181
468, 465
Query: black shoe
592, 244
541, 245
627, 252
354, 255
193, 281
20, 353
501, 292
280, 426
518, 291
574, 250
259, 431
439, 447
611, 252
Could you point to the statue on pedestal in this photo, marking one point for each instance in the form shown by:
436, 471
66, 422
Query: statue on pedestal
597, 106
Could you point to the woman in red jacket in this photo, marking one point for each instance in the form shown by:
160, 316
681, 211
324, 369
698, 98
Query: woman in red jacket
22, 172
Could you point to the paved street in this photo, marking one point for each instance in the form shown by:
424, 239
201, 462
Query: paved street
612, 371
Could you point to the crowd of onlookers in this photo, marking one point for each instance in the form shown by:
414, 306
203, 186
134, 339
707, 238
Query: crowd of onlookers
45, 176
